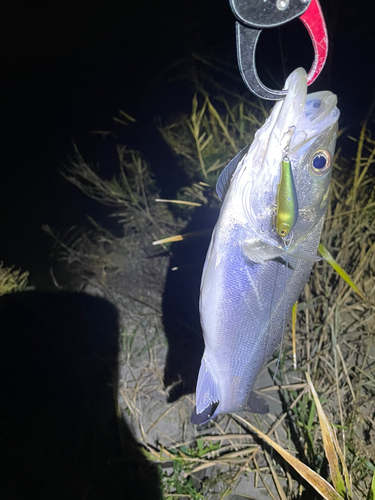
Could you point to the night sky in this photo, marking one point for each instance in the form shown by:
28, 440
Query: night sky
68, 66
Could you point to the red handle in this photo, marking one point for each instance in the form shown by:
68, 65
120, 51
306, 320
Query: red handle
313, 20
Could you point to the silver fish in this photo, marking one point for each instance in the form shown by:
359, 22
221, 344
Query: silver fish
252, 276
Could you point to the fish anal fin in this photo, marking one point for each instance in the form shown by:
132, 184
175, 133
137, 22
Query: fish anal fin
256, 404
207, 391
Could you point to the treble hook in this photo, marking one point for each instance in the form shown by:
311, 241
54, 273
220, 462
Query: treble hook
253, 19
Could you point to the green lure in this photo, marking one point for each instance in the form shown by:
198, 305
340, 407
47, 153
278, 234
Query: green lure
286, 200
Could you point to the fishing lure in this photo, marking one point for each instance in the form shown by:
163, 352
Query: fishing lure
286, 200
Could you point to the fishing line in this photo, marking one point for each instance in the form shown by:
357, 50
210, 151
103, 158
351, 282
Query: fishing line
278, 269
284, 320
272, 302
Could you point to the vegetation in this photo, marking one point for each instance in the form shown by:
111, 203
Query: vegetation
12, 280
329, 443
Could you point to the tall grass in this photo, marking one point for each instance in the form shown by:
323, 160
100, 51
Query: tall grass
12, 280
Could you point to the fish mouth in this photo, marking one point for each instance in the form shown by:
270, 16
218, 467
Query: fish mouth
301, 117
320, 113
204, 416
290, 112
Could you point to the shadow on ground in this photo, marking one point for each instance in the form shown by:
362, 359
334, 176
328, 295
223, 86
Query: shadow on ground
60, 436
181, 306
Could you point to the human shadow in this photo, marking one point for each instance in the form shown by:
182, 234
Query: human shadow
60, 436
181, 306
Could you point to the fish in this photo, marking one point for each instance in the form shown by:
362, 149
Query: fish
275, 196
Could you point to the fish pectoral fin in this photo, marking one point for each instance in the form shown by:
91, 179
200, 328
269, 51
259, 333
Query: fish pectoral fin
255, 404
308, 256
207, 393
260, 252
283, 262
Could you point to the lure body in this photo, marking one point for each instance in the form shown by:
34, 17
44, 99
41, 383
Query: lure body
251, 278
286, 200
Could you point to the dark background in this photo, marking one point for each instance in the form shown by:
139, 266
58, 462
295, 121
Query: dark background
66, 67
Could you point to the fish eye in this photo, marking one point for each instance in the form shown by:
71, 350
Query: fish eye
321, 162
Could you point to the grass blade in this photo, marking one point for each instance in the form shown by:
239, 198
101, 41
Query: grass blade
279, 488
316, 481
179, 202
371, 493
329, 443
181, 237
340, 271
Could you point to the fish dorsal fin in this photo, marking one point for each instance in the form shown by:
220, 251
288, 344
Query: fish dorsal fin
225, 177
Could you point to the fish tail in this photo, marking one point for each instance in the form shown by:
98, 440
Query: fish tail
207, 395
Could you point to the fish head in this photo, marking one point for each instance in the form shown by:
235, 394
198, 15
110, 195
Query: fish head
303, 128
312, 150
